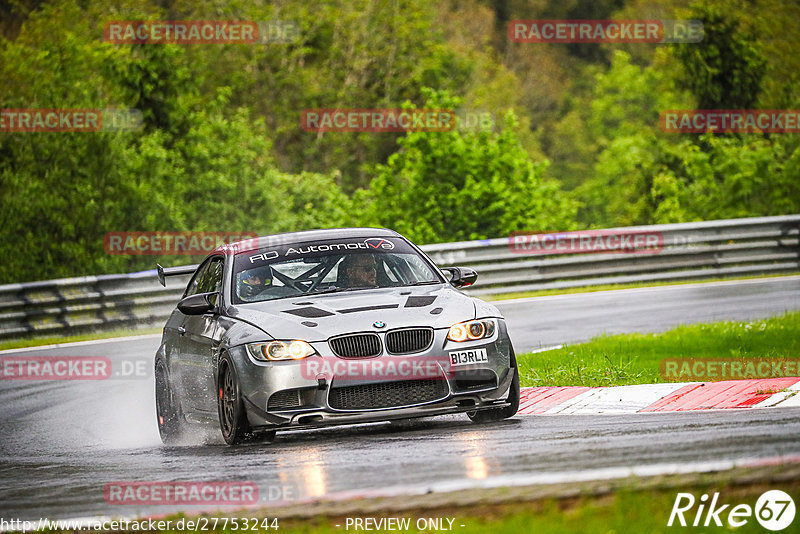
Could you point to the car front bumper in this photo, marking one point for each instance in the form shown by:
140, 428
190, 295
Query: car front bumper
300, 394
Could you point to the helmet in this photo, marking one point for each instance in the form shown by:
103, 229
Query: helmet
254, 281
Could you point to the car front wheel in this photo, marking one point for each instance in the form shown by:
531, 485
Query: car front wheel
232, 418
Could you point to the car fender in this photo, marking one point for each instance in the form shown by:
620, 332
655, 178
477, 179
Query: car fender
236, 332
161, 354
484, 309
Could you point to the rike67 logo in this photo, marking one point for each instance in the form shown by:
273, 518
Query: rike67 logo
774, 510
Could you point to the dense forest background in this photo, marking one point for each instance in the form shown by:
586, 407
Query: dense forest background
576, 141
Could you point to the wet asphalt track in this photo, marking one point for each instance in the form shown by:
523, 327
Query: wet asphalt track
61, 442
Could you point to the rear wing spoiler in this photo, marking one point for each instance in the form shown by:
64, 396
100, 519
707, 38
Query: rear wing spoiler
163, 272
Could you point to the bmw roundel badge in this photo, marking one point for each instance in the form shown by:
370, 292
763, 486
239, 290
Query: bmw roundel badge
378, 324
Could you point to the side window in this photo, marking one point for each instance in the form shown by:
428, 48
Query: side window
192, 288
211, 281
208, 279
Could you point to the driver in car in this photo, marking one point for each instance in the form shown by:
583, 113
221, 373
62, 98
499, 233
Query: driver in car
253, 282
359, 270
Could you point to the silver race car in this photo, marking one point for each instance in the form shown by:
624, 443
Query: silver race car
327, 327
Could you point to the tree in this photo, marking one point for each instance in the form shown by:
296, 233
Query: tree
197, 164
724, 71
646, 176
463, 185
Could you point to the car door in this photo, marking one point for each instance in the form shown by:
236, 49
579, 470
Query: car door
175, 339
200, 341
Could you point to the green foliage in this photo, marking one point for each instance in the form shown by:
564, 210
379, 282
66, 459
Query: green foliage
351, 54
222, 149
731, 177
462, 185
623, 123
196, 165
727, 70
645, 176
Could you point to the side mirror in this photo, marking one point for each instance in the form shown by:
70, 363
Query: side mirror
198, 304
461, 276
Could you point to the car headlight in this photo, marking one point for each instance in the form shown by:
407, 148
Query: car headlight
280, 350
472, 330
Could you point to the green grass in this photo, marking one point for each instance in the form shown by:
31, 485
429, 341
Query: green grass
635, 358
594, 507
52, 340
611, 287
623, 512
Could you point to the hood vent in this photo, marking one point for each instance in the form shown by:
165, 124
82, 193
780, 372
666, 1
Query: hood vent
309, 312
370, 308
419, 302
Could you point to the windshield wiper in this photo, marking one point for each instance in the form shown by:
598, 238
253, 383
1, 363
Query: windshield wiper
428, 283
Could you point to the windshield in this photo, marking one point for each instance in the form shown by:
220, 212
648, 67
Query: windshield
327, 267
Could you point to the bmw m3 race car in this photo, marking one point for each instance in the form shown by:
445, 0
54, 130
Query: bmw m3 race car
325, 327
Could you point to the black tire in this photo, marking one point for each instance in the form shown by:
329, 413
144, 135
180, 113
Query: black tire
169, 417
232, 417
498, 414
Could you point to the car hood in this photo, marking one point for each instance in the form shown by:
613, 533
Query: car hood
316, 318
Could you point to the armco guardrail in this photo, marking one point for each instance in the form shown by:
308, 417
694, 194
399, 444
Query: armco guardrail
687, 251
90, 303
709, 249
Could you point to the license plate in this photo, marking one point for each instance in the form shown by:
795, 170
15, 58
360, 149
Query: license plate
467, 357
